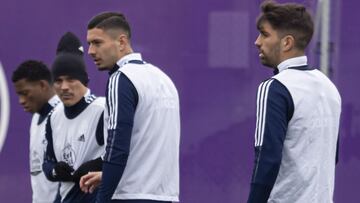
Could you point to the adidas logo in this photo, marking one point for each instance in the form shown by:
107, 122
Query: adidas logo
82, 138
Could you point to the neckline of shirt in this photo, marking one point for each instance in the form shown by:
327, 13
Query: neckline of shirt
53, 101
125, 59
292, 62
74, 110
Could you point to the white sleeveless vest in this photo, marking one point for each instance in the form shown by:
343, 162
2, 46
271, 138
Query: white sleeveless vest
152, 169
43, 190
74, 140
307, 169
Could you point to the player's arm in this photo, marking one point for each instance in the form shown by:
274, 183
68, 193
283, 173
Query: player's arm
49, 158
274, 110
54, 170
122, 100
95, 164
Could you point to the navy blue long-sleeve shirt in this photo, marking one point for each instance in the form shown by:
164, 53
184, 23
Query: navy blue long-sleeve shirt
121, 99
274, 110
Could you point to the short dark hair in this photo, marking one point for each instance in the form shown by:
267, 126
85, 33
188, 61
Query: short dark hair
110, 20
32, 70
288, 18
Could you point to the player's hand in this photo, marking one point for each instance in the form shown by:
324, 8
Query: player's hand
90, 181
62, 171
92, 165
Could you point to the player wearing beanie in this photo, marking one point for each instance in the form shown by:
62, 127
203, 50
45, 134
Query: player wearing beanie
75, 129
69, 43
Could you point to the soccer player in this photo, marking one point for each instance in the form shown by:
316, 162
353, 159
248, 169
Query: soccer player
33, 85
141, 164
298, 113
74, 130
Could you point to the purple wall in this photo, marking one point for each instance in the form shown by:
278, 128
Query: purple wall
207, 48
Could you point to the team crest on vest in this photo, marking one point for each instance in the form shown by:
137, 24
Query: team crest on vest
4, 107
69, 155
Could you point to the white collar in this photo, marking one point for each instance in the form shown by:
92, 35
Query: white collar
53, 101
125, 59
292, 62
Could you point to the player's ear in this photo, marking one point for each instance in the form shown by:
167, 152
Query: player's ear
287, 43
43, 84
122, 41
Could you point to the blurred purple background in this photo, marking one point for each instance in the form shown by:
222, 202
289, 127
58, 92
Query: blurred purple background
207, 48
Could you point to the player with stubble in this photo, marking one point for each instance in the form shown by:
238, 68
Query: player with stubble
298, 113
141, 164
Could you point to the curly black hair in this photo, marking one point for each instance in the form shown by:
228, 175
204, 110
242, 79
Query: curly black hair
32, 70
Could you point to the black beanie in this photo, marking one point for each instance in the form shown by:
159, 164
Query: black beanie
69, 59
72, 65
70, 43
